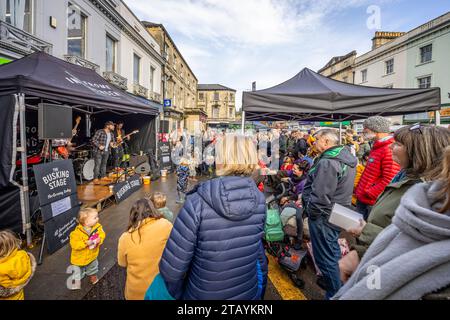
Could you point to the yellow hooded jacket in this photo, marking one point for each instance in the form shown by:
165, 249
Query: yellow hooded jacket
81, 254
16, 271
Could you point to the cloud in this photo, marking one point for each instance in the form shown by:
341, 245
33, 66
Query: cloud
235, 42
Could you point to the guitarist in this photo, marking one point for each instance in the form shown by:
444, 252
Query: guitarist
102, 143
64, 147
118, 152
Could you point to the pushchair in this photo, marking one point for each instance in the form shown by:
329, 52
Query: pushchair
290, 257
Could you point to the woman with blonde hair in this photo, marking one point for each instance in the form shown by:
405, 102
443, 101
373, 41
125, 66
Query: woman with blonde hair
215, 250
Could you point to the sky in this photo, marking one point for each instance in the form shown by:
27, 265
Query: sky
236, 42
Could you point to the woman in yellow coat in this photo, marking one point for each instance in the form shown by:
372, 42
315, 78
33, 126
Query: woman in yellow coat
16, 267
141, 247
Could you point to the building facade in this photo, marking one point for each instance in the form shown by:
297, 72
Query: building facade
340, 68
103, 35
179, 82
416, 59
219, 102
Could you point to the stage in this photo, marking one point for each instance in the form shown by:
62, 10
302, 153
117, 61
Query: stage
95, 196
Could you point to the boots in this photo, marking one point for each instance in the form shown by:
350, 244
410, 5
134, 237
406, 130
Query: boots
179, 197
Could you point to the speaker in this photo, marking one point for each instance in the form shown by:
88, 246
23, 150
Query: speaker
164, 126
143, 168
136, 160
54, 121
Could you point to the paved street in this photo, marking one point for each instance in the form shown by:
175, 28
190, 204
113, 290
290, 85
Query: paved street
49, 282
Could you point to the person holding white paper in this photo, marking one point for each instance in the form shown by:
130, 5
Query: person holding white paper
329, 181
418, 151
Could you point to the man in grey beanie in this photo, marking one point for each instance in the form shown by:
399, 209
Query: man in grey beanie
380, 168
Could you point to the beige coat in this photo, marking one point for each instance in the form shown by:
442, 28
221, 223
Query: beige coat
141, 258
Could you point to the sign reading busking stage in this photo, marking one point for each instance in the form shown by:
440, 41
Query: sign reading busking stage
57, 192
165, 155
125, 189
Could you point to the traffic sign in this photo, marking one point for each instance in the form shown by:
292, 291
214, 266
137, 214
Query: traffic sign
167, 102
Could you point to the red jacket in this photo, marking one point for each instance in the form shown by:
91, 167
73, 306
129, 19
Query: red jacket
379, 171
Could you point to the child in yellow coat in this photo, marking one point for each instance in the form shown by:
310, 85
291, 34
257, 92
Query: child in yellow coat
16, 267
85, 242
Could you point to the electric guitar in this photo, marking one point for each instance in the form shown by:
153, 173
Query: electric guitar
122, 140
64, 151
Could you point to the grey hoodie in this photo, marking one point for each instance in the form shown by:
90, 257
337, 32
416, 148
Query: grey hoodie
410, 258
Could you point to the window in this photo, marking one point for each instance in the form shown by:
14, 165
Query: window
175, 62
389, 66
76, 33
426, 53
230, 113
231, 97
18, 14
425, 82
364, 75
201, 96
110, 54
136, 68
166, 51
216, 96
152, 78
216, 111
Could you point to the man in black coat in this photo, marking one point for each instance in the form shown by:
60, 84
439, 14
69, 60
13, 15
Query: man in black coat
301, 147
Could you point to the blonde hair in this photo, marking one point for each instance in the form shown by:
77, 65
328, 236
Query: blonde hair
8, 243
159, 200
236, 155
444, 192
84, 213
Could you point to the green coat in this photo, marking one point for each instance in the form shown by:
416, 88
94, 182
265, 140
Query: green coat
382, 213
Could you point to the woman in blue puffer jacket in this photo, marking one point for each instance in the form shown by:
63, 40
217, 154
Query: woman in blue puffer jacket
215, 250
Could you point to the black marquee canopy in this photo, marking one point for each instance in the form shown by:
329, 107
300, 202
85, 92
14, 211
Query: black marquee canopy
311, 96
44, 76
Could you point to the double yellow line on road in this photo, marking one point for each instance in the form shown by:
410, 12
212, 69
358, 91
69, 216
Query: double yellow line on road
282, 283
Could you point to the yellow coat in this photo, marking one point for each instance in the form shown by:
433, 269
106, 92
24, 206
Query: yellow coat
81, 254
141, 258
16, 271
359, 170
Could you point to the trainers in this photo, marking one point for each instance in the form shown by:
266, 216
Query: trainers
93, 279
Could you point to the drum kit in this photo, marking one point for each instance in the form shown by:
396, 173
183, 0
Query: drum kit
83, 164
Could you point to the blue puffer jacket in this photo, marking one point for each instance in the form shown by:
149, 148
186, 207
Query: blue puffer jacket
214, 251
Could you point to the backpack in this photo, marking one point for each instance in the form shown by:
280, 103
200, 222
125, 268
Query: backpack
273, 229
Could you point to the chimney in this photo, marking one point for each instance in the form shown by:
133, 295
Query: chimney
382, 37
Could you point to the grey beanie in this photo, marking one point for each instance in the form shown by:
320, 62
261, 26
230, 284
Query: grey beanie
377, 124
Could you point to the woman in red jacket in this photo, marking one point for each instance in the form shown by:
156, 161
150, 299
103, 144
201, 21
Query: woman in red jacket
380, 168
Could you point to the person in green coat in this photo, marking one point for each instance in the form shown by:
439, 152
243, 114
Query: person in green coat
418, 150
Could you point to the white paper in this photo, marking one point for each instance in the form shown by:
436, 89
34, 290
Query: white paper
344, 217
60, 206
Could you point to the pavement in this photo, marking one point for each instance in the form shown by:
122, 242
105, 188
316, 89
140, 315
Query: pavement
49, 281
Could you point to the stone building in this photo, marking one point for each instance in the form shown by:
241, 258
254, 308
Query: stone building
179, 82
340, 68
219, 102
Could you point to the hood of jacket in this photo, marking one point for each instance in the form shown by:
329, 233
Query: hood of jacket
15, 269
418, 217
234, 198
342, 154
383, 142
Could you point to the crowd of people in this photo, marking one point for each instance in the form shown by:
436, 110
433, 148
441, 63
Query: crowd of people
398, 181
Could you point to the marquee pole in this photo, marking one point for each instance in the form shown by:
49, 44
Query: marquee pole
24, 187
243, 122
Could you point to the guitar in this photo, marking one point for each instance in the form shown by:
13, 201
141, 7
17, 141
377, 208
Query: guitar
122, 140
64, 151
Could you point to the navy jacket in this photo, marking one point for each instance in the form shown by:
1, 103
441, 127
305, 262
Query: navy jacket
215, 251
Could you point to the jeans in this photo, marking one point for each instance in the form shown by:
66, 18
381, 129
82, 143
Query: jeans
90, 270
326, 253
364, 209
100, 158
118, 156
